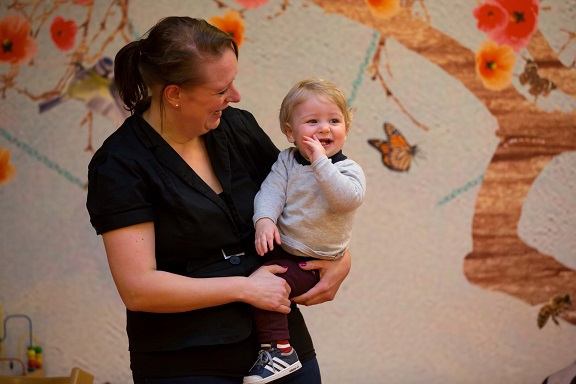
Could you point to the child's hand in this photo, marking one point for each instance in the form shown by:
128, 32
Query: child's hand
313, 148
266, 234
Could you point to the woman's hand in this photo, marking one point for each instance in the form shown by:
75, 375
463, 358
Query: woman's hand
143, 288
332, 274
269, 291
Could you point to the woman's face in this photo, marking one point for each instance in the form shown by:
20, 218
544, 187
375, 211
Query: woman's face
202, 106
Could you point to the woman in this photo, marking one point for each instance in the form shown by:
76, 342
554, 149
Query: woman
171, 192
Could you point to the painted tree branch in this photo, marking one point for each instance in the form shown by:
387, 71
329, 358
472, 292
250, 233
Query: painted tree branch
529, 139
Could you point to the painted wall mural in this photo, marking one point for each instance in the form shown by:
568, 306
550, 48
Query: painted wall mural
466, 130
530, 137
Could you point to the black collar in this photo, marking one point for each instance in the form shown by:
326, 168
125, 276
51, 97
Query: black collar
339, 156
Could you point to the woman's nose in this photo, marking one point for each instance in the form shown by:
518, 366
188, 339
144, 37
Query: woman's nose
234, 94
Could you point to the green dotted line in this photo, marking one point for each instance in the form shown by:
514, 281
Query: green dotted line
42, 158
458, 191
362, 70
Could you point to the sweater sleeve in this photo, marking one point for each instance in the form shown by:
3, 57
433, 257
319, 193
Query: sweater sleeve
271, 198
343, 184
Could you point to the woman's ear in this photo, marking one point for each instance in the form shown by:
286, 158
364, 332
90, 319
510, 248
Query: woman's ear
172, 95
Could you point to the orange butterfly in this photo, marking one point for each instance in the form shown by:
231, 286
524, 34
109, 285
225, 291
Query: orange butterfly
397, 154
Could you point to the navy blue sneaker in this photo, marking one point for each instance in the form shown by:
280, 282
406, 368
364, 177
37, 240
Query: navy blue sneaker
271, 365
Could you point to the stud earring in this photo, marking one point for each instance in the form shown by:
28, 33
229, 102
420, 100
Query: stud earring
177, 105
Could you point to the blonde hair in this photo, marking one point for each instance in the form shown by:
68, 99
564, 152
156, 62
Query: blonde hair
314, 87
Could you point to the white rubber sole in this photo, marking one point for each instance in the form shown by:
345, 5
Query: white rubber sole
293, 368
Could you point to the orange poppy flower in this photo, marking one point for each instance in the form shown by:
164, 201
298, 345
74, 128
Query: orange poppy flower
384, 8
7, 170
18, 45
63, 33
231, 23
494, 65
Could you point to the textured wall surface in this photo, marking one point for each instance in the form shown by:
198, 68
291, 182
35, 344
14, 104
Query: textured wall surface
452, 259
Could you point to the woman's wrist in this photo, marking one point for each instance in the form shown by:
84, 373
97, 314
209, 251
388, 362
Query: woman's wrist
240, 289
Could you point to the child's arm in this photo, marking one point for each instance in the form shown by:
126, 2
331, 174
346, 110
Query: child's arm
268, 205
343, 184
266, 234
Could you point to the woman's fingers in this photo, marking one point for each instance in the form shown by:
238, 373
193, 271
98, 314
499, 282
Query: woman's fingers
270, 291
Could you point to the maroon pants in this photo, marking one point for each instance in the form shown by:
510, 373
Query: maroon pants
273, 326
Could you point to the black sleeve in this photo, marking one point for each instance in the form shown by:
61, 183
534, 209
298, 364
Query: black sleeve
117, 195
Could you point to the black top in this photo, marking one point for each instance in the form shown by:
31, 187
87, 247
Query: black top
136, 177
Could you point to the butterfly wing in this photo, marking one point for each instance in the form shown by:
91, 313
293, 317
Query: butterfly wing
384, 148
401, 152
397, 153
400, 159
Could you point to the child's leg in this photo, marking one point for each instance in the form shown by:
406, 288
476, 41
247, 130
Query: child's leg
273, 326
277, 358
299, 280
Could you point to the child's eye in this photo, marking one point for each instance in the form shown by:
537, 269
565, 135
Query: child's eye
312, 121
335, 121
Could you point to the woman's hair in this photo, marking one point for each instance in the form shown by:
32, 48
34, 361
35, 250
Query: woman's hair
174, 51
303, 89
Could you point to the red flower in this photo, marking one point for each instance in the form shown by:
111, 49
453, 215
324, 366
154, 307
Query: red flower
252, 3
63, 33
491, 16
18, 45
523, 20
508, 22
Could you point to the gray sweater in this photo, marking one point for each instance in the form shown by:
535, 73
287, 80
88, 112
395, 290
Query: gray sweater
312, 205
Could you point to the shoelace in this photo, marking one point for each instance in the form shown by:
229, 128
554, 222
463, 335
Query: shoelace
265, 358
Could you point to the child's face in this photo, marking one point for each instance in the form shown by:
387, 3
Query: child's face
320, 117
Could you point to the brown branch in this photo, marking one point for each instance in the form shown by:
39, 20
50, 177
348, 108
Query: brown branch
283, 7
409, 4
220, 4
550, 66
8, 79
45, 13
117, 31
375, 68
530, 138
571, 37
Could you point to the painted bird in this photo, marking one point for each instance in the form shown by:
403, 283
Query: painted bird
95, 87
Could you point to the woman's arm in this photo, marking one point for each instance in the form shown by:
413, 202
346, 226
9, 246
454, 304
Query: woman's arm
332, 274
142, 287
